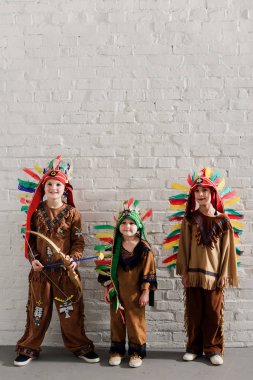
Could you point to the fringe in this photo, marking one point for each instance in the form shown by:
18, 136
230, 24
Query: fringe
222, 321
201, 281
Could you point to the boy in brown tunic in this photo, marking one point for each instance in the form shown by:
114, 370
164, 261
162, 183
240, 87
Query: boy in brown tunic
60, 222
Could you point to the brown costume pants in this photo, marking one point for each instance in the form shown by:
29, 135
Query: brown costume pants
39, 312
134, 316
204, 321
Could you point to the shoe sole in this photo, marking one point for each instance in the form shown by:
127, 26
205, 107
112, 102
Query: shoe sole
21, 364
135, 366
114, 364
97, 360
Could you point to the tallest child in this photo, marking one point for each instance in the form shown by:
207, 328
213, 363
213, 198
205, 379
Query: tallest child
206, 257
57, 222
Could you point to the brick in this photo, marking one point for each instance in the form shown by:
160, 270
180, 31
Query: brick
136, 94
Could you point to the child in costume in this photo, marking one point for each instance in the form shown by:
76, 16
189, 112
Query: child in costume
53, 228
129, 280
205, 258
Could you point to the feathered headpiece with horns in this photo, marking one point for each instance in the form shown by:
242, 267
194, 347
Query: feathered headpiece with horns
33, 192
112, 239
184, 203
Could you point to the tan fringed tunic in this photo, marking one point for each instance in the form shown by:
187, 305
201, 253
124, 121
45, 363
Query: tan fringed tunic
207, 251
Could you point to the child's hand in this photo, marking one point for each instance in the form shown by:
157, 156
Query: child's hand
144, 298
221, 283
106, 295
72, 264
185, 280
37, 266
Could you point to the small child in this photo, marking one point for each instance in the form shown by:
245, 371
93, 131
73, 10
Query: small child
206, 261
61, 223
130, 286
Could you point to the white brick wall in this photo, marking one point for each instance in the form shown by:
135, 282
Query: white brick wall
136, 93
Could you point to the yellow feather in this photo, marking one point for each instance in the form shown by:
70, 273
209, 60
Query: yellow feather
102, 272
177, 207
221, 184
171, 244
176, 226
236, 224
104, 235
178, 186
24, 195
208, 172
231, 201
237, 241
38, 169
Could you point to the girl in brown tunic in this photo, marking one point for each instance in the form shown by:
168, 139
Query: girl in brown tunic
133, 280
206, 261
61, 223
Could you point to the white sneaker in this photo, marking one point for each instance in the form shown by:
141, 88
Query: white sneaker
115, 359
216, 360
22, 360
188, 356
135, 361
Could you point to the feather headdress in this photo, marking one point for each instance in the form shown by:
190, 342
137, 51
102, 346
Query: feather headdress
222, 199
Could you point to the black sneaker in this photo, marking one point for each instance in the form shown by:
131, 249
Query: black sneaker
90, 357
22, 360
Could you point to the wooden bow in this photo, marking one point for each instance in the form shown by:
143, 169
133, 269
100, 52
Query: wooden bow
66, 261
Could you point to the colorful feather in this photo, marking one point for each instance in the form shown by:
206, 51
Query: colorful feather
231, 201
178, 206
147, 215
221, 184
104, 227
135, 204
38, 169
228, 195
32, 174
208, 172
178, 186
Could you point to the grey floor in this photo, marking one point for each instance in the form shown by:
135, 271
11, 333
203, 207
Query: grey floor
58, 364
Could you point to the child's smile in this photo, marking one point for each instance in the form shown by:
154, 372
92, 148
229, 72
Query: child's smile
128, 228
54, 189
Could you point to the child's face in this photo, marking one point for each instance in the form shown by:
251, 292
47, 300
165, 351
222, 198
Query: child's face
128, 228
54, 189
203, 195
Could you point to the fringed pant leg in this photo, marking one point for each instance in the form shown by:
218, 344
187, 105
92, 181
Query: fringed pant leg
39, 313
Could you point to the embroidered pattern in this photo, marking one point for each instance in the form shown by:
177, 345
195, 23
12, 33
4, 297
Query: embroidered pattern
66, 306
52, 223
38, 313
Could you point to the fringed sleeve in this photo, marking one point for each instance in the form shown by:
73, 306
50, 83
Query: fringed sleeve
228, 267
77, 240
32, 249
183, 255
148, 280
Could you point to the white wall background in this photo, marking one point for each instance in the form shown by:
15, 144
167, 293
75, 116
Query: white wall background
137, 93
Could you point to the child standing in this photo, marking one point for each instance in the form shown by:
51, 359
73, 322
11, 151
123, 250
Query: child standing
61, 223
130, 286
206, 261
